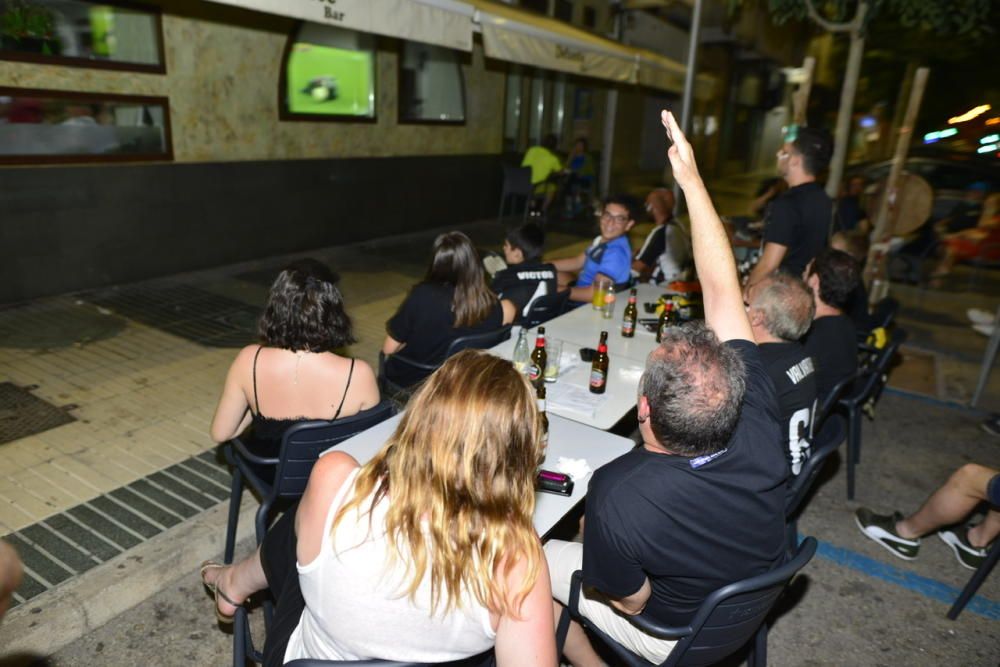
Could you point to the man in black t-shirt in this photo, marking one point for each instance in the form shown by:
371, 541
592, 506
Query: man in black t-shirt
781, 310
526, 278
798, 221
701, 503
832, 341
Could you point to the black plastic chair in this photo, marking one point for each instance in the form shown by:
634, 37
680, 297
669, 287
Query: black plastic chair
726, 621
868, 385
884, 312
975, 582
829, 401
827, 441
300, 447
544, 308
479, 341
516, 183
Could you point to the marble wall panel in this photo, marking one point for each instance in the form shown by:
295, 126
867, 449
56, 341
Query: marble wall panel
223, 67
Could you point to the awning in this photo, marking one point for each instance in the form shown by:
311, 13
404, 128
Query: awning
442, 22
539, 41
656, 71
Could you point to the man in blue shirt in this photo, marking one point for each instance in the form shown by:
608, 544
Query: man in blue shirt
610, 255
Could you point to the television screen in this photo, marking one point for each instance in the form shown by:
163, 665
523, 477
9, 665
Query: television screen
327, 81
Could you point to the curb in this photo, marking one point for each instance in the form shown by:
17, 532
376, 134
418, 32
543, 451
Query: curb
58, 617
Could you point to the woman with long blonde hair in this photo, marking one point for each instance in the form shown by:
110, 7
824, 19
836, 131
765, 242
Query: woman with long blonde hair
425, 553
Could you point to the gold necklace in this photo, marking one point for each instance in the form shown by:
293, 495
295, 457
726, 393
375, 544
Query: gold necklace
298, 360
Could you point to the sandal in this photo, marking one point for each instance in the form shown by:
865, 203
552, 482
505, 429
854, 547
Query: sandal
217, 592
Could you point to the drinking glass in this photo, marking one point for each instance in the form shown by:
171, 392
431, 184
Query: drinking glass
553, 353
601, 287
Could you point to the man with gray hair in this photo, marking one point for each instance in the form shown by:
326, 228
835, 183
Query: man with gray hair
781, 309
701, 503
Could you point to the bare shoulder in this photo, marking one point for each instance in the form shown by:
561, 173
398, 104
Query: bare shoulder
326, 478
333, 466
244, 358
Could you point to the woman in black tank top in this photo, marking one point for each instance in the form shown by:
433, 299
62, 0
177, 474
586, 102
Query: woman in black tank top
304, 316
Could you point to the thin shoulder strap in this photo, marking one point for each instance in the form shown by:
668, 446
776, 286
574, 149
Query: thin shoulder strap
346, 387
256, 401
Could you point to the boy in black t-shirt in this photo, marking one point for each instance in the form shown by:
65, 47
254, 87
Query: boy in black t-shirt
526, 278
781, 310
832, 341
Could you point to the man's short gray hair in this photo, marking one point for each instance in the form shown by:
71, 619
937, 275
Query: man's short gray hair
695, 386
787, 305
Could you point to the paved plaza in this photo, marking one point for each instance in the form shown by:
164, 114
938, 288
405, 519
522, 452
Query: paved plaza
112, 490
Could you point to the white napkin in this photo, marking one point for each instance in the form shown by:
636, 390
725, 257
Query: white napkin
577, 399
575, 468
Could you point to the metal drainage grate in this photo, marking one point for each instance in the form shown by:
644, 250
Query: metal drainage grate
69, 543
183, 310
23, 414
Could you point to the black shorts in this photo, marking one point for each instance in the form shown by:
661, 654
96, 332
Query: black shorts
993, 491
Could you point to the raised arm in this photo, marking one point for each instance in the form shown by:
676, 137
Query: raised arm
713, 258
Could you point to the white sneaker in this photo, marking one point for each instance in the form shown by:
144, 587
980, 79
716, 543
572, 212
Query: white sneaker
980, 316
985, 329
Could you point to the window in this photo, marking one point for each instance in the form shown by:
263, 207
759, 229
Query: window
55, 126
85, 34
564, 10
431, 87
590, 18
540, 6
512, 111
328, 73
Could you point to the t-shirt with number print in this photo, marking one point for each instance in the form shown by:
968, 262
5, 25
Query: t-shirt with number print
794, 377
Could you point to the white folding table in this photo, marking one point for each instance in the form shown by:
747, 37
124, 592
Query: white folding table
566, 438
580, 328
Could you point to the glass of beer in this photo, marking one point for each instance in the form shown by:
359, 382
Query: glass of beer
601, 287
553, 353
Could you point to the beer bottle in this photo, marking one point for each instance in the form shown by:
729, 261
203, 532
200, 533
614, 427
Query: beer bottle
599, 367
536, 366
630, 317
666, 319
541, 410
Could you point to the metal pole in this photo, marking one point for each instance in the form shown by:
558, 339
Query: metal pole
692, 63
610, 114
883, 229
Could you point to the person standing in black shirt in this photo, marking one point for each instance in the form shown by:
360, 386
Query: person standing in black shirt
701, 503
781, 310
798, 222
526, 277
832, 340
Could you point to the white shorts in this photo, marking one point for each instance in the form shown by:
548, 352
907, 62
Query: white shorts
565, 558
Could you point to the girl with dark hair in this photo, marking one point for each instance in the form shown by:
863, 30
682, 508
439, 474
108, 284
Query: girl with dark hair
294, 374
452, 301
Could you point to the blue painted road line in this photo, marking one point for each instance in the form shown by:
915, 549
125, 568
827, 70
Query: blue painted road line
936, 590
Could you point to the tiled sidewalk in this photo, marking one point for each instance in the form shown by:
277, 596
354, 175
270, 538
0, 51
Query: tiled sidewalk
139, 368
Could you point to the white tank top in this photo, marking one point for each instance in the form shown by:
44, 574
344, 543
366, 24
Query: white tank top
357, 607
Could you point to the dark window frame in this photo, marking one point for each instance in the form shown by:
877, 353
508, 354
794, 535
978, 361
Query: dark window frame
400, 120
75, 61
283, 112
78, 158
